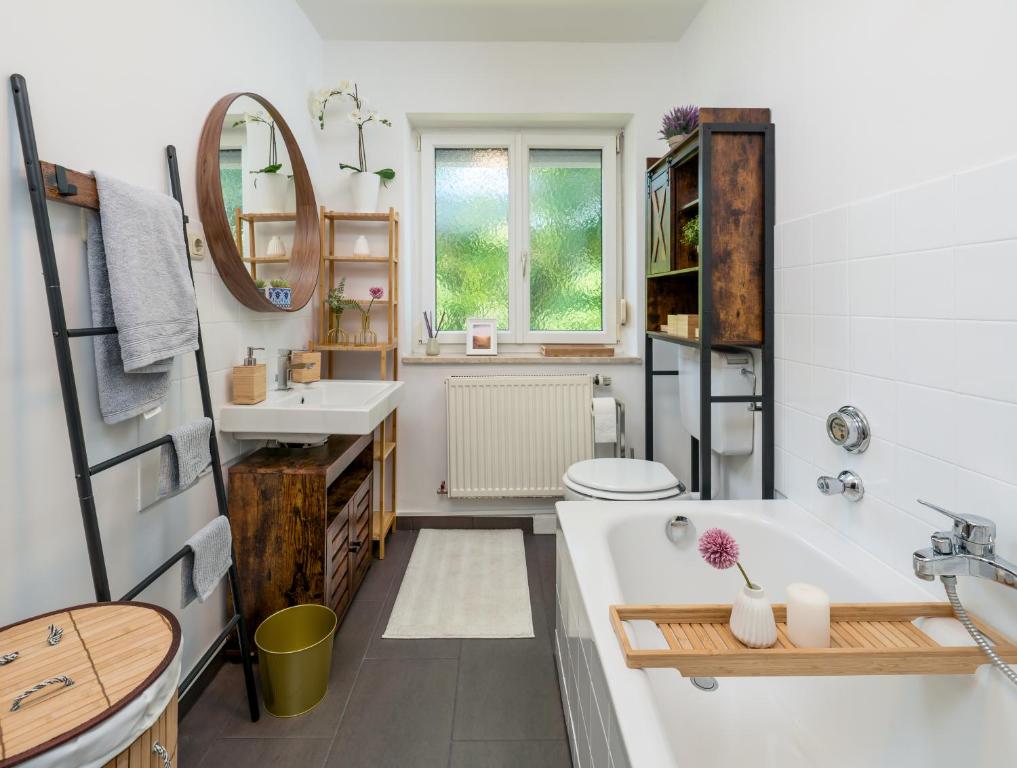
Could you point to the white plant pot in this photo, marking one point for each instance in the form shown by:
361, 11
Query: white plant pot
365, 188
361, 247
752, 619
271, 192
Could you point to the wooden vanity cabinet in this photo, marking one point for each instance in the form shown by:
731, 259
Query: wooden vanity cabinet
301, 523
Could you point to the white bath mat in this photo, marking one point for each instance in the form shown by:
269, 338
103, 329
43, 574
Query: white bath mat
464, 584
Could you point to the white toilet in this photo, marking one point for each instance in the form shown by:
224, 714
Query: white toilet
620, 480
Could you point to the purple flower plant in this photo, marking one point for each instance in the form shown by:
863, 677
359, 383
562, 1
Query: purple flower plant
719, 549
680, 121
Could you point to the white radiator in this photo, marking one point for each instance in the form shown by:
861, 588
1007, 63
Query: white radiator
516, 435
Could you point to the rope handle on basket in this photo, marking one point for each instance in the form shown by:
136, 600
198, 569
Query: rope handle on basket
7, 658
67, 682
160, 751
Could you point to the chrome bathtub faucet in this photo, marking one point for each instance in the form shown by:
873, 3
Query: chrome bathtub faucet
969, 548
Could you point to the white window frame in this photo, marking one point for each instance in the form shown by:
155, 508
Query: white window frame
518, 143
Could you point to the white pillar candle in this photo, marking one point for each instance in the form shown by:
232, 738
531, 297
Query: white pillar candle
808, 616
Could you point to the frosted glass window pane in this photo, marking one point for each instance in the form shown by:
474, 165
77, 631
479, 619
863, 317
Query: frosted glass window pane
566, 243
471, 226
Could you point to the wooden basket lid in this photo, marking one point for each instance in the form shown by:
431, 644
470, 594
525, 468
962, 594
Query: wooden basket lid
111, 651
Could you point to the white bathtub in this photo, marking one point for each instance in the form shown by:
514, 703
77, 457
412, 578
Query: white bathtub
610, 553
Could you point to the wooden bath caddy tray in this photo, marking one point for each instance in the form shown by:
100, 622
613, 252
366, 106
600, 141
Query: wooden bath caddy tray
866, 639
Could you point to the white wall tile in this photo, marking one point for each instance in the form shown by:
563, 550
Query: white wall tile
985, 203
798, 338
830, 390
829, 236
986, 276
925, 351
877, 399
870, 284
927, 421
830, 288
831, 345
802, 431
872, 346
925, 216
870, 227
778, 291
923, 477
924, 284
986, 437
778, 246
798, 385
797, 243
798, 290
801, 482
986, 360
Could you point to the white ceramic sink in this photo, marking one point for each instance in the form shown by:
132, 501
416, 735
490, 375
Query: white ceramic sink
310, 412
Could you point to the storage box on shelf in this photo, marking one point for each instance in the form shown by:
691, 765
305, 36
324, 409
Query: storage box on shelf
384, 516
720, 283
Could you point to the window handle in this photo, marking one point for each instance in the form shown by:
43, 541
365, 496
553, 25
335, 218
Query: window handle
525, 256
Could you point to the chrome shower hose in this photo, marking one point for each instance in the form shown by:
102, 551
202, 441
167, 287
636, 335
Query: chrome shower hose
950, 585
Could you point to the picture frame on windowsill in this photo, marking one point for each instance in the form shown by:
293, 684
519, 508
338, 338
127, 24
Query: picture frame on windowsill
481, 336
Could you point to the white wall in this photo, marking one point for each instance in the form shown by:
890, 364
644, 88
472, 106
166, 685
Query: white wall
896, 184
402, 79
109, 91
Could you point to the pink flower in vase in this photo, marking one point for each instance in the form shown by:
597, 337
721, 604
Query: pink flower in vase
719, 549
377, 292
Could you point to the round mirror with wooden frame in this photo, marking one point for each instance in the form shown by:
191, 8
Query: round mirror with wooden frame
248, 227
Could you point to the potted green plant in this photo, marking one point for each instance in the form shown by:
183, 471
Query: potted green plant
678, 124
280, 293
365, 184
690, 233
272, 192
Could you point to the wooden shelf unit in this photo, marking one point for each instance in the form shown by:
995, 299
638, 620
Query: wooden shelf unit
383, 518
723, 173
239, 219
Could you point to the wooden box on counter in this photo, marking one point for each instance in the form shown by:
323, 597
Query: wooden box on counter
301, 522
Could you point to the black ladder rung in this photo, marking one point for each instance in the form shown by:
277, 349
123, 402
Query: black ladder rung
664, 373
213, 649
736, 398
103, 330
146, 582
102, 466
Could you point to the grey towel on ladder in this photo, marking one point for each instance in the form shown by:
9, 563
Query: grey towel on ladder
121, 395
185, 456
149, 280
210, 558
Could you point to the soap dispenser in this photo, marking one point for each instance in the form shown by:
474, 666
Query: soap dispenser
250, 380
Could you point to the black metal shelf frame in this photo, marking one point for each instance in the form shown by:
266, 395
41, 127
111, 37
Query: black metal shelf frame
702, 479
82, 471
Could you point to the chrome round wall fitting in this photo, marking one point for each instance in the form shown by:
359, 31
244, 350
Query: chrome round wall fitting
679, 529
849, 429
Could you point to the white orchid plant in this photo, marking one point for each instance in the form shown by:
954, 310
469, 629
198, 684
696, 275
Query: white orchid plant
360, 115
249, 118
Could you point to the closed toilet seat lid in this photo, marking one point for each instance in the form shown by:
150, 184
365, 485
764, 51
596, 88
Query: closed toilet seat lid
669, 493
625, 476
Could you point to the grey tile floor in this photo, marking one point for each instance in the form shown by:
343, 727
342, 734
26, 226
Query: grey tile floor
407, 703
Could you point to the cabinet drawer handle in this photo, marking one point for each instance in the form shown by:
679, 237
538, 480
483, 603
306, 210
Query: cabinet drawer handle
160, 751
67, 682
355, 546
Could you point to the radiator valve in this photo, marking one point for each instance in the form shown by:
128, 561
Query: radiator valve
442, 489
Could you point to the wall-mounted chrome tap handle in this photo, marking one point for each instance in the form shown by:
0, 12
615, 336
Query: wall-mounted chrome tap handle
847, 483
974, 533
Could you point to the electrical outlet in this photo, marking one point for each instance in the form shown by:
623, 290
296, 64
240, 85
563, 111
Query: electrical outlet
196, 242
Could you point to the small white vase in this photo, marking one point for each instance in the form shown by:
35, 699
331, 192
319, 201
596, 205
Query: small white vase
674, 141
271, 192
276, 248
365, 188
752, 619
361, 247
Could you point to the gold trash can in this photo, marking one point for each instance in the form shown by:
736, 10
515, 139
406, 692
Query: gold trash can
295, 658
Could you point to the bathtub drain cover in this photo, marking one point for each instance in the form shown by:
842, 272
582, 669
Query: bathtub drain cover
707, 684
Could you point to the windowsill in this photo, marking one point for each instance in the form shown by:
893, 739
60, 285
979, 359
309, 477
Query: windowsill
521, 358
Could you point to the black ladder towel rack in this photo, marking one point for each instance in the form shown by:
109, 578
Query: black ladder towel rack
53, 182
